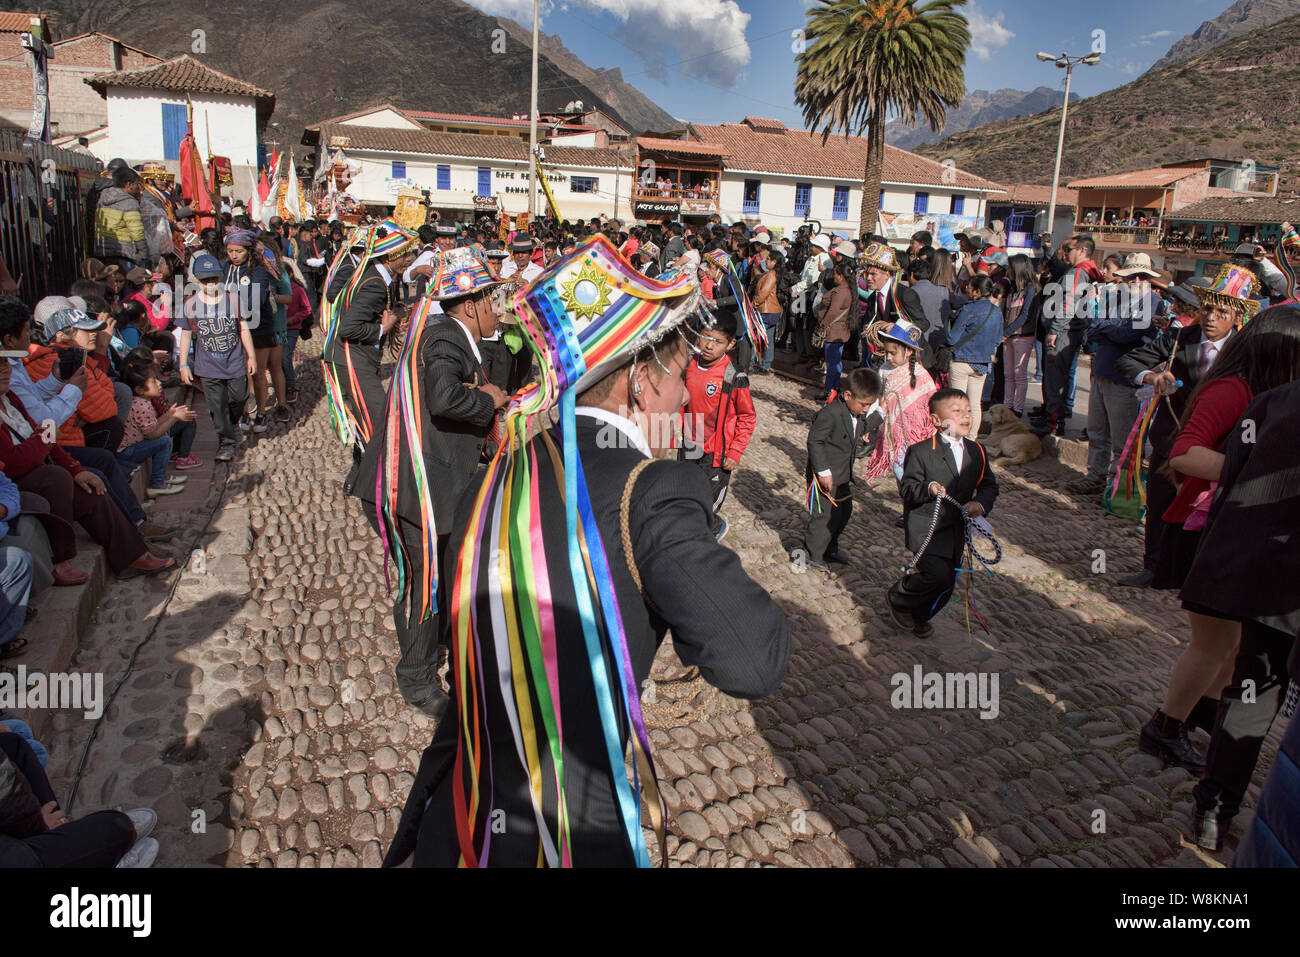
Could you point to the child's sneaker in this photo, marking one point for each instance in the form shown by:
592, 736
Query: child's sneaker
291, 396
225, 453
281, 415
177, 479
721, 531
259, 423
165, 490
143, 819
141, 855
187, 462
245, 423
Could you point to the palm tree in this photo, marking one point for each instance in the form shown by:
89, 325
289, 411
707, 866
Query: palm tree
867, 58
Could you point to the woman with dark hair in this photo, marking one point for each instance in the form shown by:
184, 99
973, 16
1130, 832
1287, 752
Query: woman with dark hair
269, 338
833, 319
1265, 354
974, 338
1024, 306
770, 269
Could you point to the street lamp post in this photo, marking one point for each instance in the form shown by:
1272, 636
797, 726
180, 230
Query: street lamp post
1066, 63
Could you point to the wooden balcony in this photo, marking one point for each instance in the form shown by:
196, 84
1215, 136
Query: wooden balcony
1138, 237
689, 199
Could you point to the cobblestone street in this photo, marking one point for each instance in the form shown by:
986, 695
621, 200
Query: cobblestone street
261, 719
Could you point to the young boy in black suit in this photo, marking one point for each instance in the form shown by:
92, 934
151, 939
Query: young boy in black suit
843, 430
950, 464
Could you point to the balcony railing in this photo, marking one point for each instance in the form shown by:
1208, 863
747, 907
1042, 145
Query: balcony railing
1128, 235
1215, 248
749, 206
690, 197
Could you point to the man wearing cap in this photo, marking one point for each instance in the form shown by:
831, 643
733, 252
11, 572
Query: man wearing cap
455, 405
803, 293
521, 261
1128, 315
1272, 279
1173, 363
312, 259
1067, 306
617, 552
119, 227
364, 315
888, 300
426, 253
674, 247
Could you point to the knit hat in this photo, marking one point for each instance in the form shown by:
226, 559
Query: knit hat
1234, 288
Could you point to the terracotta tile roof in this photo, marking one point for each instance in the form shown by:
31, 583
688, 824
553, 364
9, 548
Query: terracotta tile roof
679, 146
796, 152
1138, 179
1033, 195
466, 118
17, 22
1240, 209
472, 145
104, 36
182, 73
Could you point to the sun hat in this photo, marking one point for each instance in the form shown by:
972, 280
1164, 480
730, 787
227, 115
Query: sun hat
880, 255
1185, 292
903, 332
847, 249
96, 270
822, 241
1234, 288
1137, 264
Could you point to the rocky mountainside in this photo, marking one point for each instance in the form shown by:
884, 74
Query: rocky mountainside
1239, 99
977, 108
1242, 17
324, 58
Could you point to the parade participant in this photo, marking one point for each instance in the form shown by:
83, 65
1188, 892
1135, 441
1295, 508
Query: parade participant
836, 322
354, 323
569, 562
955, 467
1264, 355
269, 337
729, 295
719, 417
1240, 559
888, 300
312, 259
521, 261
1182, 353
156, 211
437, 419
1067, 305
843, 430
425, 255
906, 388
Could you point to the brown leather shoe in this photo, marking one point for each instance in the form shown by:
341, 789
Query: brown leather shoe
65, 574
150, 564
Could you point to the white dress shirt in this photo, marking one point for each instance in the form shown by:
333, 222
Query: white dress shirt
630, 430
958, 448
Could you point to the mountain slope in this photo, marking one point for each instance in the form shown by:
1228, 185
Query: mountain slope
978, 107
1239, 99
325, 58
1240, 18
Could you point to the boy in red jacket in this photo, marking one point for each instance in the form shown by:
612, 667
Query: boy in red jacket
719, 415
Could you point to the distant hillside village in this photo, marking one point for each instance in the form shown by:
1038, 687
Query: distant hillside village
108, 98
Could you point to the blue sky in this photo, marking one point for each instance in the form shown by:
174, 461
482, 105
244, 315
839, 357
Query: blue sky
715, 60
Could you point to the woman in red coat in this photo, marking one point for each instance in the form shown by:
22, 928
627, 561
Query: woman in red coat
74, 493
1264, 355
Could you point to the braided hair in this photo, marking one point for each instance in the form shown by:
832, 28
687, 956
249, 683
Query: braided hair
911, 366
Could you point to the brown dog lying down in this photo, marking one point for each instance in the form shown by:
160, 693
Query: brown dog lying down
1011, 440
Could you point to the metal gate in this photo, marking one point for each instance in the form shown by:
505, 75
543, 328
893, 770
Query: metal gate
42, 226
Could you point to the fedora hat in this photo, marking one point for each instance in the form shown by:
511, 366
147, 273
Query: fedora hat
1138, 264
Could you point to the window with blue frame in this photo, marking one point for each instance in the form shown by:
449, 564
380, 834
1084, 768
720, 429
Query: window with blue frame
485, 181
958, 205
802, 198
173, 126
444, 177
880, 203
582, 184
922, 203
399, 169
749, 199
840, 208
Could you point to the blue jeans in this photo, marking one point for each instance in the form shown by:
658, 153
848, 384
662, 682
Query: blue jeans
1038, 360
24, 731
117, 481
15, 588
770, 322
159, 449
182, 434
1074, 382
286, 359
834, 350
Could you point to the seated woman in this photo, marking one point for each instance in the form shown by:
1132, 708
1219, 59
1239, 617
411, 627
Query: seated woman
73, 492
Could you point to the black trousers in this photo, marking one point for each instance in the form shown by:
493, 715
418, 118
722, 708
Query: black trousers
1241, 726
719, 482
1056, 373
496, 362
924, 591
96, 840
417, 641
827, 521
365, 401
1160, 495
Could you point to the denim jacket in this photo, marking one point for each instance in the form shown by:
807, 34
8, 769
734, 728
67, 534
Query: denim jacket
978, 351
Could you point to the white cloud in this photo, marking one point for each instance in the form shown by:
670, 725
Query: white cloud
987, 33
1148, 38
706, 37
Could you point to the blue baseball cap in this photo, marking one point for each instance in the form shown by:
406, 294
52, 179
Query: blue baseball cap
64, 319
205, 266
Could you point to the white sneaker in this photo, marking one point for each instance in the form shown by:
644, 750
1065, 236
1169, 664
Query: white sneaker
143, 819
165, 490
182, 479
141, 855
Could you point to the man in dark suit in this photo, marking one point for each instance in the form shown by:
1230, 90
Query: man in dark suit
888, 299
958, 468
842, 431
458, 408
1172, 357
673, 575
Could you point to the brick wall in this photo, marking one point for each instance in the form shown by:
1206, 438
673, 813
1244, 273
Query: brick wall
92, 51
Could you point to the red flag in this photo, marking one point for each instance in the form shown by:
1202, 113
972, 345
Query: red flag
263, 187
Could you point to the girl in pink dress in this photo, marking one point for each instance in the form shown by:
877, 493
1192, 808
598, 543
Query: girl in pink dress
904, 403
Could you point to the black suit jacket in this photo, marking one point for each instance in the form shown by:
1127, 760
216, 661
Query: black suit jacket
361, 321
721, 622
1184, 345
833, 444
458, 418
912, 311
1249, 556
931, 461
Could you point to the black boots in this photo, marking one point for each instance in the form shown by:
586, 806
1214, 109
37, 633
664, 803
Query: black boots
1210, 826
1166, 738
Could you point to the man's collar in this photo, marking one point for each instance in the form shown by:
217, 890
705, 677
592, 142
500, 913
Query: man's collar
468, 335
630, 429
384, 273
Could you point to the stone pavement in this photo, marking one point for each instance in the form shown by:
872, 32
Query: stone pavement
262, 722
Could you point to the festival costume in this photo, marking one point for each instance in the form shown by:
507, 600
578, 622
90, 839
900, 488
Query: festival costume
729, 293
903, 406
567, 565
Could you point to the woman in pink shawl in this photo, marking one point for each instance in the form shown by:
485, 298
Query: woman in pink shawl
904, 403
